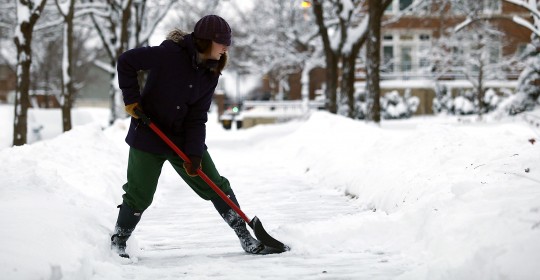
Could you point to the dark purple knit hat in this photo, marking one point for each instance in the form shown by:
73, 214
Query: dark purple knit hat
213, 28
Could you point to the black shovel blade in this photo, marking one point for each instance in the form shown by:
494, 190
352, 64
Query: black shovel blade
265, 238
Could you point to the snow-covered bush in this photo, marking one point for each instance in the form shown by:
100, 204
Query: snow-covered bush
467, 103
528, 91
442, 103
360, 105
464, 104
491, 100
395, 106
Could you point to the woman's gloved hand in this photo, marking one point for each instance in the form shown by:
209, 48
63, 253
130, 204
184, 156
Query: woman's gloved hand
130, 109
191, 167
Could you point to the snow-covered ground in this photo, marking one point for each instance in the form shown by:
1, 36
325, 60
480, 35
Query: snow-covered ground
425, 198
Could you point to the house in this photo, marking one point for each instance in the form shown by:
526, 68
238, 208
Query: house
405, 46
407, 42
39, 98
7, 80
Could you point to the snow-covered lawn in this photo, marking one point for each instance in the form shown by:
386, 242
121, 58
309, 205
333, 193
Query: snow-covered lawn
425, 198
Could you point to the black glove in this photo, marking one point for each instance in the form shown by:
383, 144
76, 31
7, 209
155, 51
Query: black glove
191, 167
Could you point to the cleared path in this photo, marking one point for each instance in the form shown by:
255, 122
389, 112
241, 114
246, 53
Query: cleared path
183, 237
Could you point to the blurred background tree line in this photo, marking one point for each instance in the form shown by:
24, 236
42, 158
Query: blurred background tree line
51, 45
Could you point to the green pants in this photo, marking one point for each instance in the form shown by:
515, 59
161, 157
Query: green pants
144, 170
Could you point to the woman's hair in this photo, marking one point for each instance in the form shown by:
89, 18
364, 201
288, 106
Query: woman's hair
202, 46
205, 46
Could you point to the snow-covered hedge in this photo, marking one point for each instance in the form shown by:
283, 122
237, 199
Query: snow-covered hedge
393, 105
466, 103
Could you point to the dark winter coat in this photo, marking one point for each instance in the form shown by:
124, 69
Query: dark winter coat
177, 94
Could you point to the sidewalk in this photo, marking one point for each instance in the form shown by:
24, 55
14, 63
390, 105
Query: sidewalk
183, 237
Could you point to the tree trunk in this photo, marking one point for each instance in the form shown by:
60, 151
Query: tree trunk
116, 105
331, 60
374, 58
349, 75
115, 111
349, 66
332, 83
347, 82
22, 95
68, 90
480, 90
23, 41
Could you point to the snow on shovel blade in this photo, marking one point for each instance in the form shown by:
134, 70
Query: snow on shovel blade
265, 238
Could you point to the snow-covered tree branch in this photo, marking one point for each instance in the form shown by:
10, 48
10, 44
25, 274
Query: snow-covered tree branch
124, 24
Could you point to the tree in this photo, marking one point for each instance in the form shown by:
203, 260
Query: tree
527, 93
67, 11
332, 47
475, 53
373, 54
46, 71
121, 25
528, 90
344, 26
351, 50
112, 24
278, 43
28, 12
482, 62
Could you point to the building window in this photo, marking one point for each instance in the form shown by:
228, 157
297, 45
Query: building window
492, 5
404, 4
406, 59
388, 59
423, 54
424, 37
398, 5
405, 52
406, 37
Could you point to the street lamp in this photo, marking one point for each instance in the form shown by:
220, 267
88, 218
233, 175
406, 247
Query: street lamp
306, 4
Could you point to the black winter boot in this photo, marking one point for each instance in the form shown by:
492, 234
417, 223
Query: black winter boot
248, 242
125, 225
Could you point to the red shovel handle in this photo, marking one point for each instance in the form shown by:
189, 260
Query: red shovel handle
201, 174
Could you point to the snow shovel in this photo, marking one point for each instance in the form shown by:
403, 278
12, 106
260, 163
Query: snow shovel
255, 223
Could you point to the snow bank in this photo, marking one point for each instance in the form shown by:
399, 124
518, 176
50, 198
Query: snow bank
447, 199
464, 197
52, 193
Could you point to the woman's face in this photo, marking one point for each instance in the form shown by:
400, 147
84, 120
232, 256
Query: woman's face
217, 50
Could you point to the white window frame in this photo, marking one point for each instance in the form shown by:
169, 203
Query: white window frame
394, 7
416, 45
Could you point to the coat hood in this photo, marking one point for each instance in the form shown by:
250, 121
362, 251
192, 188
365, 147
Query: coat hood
185, 39
176, 35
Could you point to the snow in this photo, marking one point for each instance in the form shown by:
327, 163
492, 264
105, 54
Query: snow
424, 198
